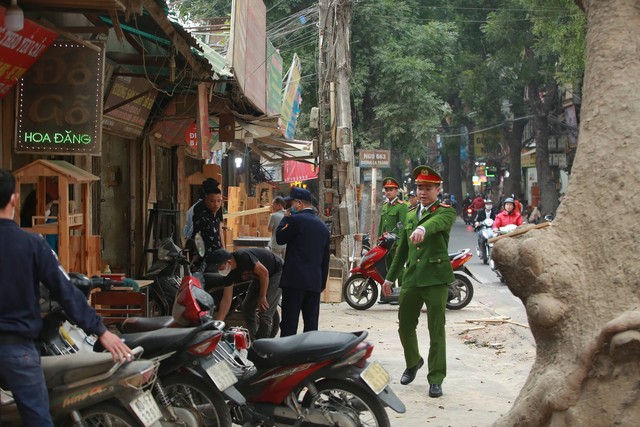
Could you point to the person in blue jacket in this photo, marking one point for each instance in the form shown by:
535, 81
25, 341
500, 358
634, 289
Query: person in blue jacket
306, 262
26, 260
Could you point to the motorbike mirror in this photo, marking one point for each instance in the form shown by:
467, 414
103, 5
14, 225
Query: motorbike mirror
199, 244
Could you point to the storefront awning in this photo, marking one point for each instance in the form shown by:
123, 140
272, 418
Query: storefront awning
268, 142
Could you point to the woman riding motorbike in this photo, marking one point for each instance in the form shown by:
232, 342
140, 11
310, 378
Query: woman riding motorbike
508, 216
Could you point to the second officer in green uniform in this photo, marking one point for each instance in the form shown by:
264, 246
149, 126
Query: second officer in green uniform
392, 218
424, 246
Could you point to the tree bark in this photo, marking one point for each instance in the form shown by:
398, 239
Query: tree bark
513, 184
582, 305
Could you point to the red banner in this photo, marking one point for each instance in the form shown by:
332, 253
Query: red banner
19, 51
299, 171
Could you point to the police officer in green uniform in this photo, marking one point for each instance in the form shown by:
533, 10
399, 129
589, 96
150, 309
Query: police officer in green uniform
392, 218
424, 246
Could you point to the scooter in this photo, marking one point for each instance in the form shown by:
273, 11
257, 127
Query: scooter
361, 289
484, 234
90, 389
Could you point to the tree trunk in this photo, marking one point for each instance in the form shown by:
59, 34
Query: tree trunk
513, 184
541, 109
582, 304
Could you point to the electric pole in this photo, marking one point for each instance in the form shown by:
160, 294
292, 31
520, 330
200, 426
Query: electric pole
335, 144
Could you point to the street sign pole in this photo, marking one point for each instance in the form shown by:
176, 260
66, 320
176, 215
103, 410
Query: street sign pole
374, 193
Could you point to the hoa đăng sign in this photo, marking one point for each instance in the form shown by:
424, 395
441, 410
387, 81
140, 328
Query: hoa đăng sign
60, 101
19, 51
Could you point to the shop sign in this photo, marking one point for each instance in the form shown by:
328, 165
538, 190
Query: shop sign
191, 136
19, 51
295, 171
59, 101
128, 106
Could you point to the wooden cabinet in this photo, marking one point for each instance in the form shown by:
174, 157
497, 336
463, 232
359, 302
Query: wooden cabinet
78, 250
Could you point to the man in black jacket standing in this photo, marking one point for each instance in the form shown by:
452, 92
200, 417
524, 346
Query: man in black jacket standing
26, 260
306, 263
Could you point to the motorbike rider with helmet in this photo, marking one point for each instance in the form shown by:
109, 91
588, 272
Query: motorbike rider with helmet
508, 216
487, 212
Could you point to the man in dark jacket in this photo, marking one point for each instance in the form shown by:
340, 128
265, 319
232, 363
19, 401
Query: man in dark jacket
306, 263
26, 260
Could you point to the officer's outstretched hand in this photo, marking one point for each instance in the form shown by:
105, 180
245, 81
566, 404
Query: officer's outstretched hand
386, 288
417, 236
114, 345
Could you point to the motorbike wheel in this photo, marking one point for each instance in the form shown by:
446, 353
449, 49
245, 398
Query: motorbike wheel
485, 254
187, 391
360, 292
106, 414
350, 399
460, 292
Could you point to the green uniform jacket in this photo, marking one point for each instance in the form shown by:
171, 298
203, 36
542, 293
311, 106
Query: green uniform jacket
427, 263
391, 215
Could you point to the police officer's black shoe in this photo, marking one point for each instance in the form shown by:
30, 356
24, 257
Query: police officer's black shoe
384, 301
435, 390
410, 373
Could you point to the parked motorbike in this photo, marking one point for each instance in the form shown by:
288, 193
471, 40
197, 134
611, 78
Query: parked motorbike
190, 379
316, 378
167, 273
90, 389
484, 234
362, 288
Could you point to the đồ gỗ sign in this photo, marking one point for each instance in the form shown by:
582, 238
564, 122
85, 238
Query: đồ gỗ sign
60, 101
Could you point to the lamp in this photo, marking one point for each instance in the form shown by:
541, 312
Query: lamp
238, 161
14, 17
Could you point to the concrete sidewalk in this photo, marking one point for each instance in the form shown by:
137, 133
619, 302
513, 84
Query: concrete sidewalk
486, 367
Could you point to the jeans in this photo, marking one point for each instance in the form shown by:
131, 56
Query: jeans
260, 324
21, 373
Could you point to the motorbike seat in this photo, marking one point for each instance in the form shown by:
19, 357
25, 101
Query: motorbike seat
146, 324
158, 342
313, 346
455, 254
69, 368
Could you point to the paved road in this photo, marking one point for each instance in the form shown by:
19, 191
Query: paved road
486, 368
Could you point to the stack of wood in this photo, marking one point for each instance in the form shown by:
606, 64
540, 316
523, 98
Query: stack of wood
247, 216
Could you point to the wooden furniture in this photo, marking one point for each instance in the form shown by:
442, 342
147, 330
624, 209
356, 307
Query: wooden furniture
78, 249
116, 305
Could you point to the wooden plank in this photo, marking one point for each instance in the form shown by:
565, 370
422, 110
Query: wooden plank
232, 215
521, 230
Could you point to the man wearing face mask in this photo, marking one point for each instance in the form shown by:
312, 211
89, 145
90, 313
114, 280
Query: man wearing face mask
264, 269
487, 212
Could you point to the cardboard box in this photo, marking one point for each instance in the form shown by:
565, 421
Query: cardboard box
333, 292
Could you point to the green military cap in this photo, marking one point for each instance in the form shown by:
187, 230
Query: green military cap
425, 175
390, 182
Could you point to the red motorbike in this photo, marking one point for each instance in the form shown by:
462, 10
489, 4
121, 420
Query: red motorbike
362, 287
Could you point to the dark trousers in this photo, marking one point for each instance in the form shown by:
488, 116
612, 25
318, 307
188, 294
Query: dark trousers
295, 301
20, 372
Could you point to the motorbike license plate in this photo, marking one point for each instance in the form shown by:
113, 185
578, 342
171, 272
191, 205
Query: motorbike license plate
376, 377
146, 409
222, 375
